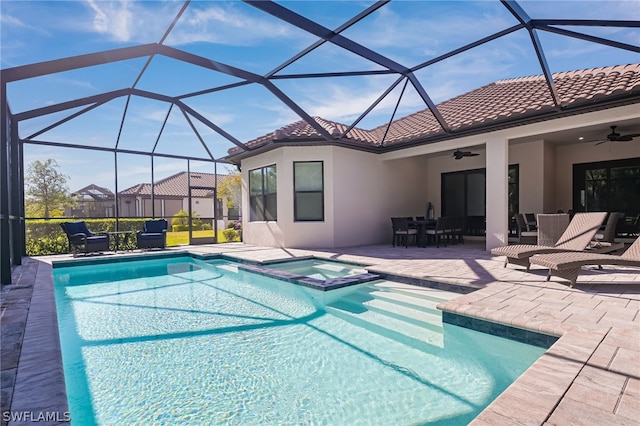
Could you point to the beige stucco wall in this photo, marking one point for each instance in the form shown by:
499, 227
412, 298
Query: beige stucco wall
531, 160
371, 191
203, 207
361, 195
549, 204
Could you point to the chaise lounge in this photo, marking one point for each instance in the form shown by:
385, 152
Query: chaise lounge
83, 240
576, 237
567, 265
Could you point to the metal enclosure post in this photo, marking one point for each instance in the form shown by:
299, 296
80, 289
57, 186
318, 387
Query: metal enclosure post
5, 237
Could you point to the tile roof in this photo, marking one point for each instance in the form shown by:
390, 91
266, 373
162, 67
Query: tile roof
501, 102
177, 185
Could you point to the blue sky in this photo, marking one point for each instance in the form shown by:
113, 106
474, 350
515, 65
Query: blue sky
237, 34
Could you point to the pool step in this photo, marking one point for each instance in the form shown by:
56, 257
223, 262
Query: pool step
401, 331
426, 293
399, 307
412, 321
406, 300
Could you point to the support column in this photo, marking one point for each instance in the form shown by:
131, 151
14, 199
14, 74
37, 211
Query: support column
6, 255
497, 197
16, 197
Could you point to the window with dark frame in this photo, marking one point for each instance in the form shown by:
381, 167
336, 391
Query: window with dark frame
463, 194
308, 187
514, 195
263, 200
610, 186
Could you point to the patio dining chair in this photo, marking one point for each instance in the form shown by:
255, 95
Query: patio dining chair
604, 242
532, 222
576, 237
402, 231
459, 224
439, 231
524, 235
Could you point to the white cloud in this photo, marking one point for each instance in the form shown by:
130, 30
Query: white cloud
111, 18
226, 24
344, 101
10, 20
414, 38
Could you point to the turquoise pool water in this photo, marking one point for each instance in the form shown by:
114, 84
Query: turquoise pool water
179, 341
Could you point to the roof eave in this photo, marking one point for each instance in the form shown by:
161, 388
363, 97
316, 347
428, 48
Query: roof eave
548, 114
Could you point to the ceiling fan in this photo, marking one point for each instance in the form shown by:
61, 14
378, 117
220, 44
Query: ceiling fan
617, 137
460, 154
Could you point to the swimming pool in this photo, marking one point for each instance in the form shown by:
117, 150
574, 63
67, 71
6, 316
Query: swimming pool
185, 341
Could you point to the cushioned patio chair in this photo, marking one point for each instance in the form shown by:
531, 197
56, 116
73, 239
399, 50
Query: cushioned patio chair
402, 231
567, 265
153, 234
81, 240
576, 237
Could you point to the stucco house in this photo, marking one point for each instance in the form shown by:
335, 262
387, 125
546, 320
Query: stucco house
551, 146
172, 194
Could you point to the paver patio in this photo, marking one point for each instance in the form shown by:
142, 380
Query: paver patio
590, 376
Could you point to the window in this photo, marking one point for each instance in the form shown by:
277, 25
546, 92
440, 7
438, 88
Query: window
308, 187
607, 186
263, 203
463, 194
514, 194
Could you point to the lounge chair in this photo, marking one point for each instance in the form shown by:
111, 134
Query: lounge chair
551, 227
153, 234
576, 237
83, 240
567, 265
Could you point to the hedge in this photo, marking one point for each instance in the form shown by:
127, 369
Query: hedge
45, 236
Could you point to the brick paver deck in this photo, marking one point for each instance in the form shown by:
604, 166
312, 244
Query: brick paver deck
591, 376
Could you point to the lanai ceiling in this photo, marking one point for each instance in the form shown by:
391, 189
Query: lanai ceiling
196, 78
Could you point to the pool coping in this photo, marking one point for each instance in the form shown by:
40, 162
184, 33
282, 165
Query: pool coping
580, 348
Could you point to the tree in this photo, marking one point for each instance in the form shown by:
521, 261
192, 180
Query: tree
46, 189
230, 188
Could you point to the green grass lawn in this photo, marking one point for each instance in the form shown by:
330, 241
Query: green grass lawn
178, 238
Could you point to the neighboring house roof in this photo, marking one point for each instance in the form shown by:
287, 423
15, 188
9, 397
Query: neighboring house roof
177, 186
500, 104
95, 192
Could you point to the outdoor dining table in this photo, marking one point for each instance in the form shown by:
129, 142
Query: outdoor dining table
422, 226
